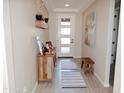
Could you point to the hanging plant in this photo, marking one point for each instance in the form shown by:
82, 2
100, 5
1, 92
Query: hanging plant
39, 4
46, 20
41, 22
39, 17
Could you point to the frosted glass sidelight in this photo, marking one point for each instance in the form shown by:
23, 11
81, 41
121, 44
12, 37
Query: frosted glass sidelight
65, 23
65, 31
65, 40
65, 50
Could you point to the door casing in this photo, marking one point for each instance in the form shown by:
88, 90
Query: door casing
58, 35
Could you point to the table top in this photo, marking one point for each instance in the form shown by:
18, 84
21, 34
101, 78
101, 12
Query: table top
47, 55
87, 60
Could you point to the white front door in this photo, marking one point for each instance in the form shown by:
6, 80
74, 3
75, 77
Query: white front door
65, 35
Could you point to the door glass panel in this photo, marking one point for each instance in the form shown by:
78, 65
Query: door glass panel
65, 40
65, 31
65, 21
65, 50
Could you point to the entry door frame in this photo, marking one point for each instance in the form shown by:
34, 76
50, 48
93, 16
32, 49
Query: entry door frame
8, 49
58, 17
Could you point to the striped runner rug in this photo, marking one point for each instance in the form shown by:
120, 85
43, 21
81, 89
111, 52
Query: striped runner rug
71, 76
72, 79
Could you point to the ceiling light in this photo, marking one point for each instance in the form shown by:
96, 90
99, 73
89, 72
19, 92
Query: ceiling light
67, 5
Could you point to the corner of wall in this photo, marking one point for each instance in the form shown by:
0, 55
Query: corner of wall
109, 46
98, 77
101, 81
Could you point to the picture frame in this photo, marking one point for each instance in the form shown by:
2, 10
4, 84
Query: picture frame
90, 29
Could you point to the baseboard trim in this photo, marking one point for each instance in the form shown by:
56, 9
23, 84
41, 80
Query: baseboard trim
34, 89
97, 76
66, 57
106, 85
77, 56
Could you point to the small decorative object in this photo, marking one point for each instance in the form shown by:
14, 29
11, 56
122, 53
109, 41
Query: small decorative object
90, 29
39, 44
44, 49
49, 47
46, 20
39, 17
41, 22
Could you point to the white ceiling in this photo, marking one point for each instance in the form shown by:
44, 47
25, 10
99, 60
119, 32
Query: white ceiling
59, 5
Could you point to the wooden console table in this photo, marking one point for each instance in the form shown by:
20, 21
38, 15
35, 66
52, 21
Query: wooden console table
45, 65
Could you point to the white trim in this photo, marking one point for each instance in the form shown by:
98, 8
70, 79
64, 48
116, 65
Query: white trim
34, 88
52, 9
98, 77
117, 79
77, 56
9, 45
109, 40
65, 10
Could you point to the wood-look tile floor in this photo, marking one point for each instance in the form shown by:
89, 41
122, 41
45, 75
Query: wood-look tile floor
54, 86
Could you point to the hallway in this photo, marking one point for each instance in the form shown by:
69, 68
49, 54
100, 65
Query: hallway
93, 84
66, 28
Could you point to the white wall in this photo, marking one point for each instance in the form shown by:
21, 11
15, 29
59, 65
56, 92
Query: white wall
99, 53
3, 64
52, 28
8, 48
21, 27
78, 36
78, 31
